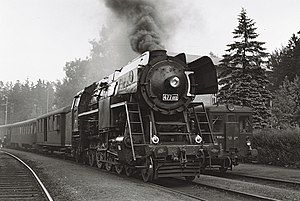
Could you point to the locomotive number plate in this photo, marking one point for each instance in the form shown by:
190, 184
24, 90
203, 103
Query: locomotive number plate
170, 97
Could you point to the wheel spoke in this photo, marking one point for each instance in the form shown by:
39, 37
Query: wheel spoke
119, 168
108, 166
128, 170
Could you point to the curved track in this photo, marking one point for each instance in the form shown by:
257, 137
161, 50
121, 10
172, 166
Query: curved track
18, 181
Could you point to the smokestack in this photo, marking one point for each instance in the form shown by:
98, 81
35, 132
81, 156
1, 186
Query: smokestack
141, 16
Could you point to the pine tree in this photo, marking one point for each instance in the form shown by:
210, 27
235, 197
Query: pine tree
243, 80
286, 62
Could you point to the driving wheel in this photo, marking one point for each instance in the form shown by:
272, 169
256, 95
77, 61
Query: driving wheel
128, 170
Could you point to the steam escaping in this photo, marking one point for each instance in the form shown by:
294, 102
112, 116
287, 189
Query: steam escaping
141, 17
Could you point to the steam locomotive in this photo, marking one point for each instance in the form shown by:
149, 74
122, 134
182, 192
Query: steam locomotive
139, 119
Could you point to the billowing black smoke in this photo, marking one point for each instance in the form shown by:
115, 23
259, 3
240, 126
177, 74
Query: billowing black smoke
142, 19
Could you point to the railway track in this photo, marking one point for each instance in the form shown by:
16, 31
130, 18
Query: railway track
275, 182
195, 189
251, 196
168, 189
18, 181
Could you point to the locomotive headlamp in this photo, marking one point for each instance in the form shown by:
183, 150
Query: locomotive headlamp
174, 82
198, 139
155, 139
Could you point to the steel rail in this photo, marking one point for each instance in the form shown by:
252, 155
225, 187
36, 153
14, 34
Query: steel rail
45, 191
160, 187
221, 189
254, 177
241, 193
283, 181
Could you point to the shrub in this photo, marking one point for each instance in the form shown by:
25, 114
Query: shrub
278, 147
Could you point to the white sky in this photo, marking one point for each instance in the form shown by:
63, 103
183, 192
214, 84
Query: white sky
37, 37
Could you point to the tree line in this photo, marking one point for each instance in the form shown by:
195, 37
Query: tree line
248, 76
268, 83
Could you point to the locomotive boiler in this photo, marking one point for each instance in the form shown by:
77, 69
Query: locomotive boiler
139, 119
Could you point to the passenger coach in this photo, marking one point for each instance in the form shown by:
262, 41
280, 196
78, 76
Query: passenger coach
54, 130
51, 131
19, 135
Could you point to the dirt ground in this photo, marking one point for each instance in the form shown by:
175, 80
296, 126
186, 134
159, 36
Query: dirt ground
66, 180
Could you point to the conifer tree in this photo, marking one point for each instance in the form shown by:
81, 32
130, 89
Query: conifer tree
243, 81
286, 62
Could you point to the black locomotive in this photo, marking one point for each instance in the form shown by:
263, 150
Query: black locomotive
138, 118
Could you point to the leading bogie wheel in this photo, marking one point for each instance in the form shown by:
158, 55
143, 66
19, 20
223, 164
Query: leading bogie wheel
119, 168
148, 172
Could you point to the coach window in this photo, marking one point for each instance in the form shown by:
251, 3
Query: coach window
40, 126
56, 122
217, 123
231, 118
245, 124
52, 123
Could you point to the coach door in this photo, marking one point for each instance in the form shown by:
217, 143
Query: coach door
45, 129
231, 132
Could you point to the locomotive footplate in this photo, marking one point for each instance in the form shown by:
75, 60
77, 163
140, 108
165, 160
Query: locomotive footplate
176, 160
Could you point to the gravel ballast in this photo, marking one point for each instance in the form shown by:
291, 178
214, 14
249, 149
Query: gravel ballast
67, 180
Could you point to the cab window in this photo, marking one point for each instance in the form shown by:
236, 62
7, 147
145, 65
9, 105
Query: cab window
217, 123
245, 124
57, 122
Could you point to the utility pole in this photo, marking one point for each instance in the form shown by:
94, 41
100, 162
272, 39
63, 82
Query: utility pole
6, 110
47, 110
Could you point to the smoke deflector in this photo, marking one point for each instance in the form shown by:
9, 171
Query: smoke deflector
205, 76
